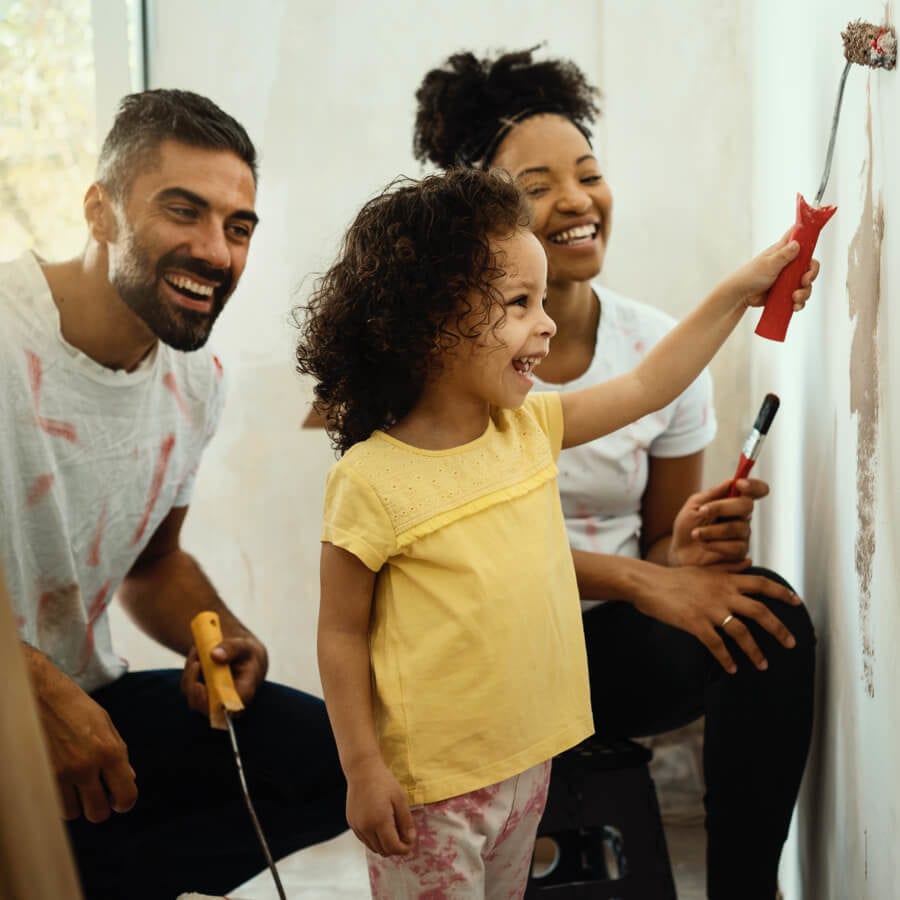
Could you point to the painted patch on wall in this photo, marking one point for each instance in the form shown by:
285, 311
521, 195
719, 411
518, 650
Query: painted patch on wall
864, 291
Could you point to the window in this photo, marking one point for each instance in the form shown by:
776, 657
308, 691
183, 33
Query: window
50, 63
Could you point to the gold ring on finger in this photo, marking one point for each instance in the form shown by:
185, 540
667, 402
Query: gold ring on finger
726, 620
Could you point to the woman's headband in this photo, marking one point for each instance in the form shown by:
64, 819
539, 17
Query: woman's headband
479, 150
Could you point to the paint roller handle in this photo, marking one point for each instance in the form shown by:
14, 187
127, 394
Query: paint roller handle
779, 307
223, 697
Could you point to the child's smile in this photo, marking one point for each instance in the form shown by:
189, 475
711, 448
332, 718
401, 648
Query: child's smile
525, 366
496, 368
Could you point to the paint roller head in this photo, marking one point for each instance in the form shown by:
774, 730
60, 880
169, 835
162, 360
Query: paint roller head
870, 45
766, 413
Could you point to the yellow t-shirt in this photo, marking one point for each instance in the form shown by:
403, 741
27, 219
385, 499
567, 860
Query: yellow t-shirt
476, 643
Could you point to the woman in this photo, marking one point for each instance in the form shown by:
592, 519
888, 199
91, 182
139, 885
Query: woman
689, 629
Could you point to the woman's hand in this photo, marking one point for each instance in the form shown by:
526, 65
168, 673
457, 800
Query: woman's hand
378, 811
752, 281
712, 528
706, 601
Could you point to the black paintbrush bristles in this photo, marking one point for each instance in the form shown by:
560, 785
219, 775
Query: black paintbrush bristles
766, 413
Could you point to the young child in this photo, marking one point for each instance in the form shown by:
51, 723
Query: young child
450, 641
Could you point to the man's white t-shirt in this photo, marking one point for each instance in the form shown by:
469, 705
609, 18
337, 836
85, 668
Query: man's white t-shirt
91, 461
601, 483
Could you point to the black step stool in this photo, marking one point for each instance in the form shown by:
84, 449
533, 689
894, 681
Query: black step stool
603, 815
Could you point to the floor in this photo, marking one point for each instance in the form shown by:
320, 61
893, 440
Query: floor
336, 870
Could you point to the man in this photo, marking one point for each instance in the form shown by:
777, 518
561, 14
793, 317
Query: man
108, 401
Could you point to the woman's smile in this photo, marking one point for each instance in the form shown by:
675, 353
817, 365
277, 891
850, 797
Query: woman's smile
571, 202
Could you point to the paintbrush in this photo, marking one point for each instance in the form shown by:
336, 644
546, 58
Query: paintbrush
755, 439
865, 45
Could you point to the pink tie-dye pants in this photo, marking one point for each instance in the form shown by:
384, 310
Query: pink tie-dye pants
474, 846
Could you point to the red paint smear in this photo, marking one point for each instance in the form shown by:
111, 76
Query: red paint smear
21, 622
172, 385
58, 428
162, 463
590, 523
53, 596
219, 370
639, 347
54, 427
35, 372
95, 610
43, 601
93, 558
39, 489
636, 455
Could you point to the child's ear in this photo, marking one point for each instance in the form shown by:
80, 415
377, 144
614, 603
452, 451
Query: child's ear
99, 214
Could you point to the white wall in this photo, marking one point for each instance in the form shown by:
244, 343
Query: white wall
833, 450
677, 82
717, 112
326, 90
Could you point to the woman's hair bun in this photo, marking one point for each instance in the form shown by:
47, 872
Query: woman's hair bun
462, 105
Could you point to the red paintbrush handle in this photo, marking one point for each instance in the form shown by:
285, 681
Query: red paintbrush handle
743, 470
779, 308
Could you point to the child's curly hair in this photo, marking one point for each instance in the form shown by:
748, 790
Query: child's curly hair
414, 276
466, 106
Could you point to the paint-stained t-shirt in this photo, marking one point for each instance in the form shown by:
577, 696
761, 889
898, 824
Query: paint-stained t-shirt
92, 461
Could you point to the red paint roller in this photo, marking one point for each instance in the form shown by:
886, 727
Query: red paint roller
865, 45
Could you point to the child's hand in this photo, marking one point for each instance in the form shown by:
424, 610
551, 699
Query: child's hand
378, 812
752, 281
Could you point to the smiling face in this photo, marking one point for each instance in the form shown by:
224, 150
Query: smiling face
498, 366
181, 241
572, 205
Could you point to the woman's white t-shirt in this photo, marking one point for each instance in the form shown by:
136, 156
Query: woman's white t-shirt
601, 483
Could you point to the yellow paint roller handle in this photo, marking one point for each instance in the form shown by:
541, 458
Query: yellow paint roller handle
219, 683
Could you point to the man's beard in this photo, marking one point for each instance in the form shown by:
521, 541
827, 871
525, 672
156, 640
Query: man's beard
139, 284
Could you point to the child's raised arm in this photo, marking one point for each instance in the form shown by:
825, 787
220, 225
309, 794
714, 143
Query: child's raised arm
680, 356
377, 808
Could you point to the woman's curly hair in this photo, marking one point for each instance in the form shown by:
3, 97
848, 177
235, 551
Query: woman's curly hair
464, 105
415, 275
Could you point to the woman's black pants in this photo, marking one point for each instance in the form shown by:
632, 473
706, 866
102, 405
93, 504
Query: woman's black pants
647, 677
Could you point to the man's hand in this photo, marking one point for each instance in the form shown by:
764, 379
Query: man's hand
88, 756
713, 528
378, 811
249, 663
